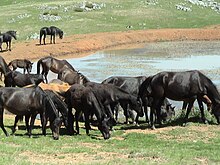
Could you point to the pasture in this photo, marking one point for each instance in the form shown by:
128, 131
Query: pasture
196, 143
172, 144
109, 15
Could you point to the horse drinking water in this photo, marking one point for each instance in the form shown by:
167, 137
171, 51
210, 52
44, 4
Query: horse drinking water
52, 31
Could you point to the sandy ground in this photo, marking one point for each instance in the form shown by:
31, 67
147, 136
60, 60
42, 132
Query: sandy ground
83, 44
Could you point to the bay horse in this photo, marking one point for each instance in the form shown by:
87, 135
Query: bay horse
55, 65
181, 86
52, 31
7, 37
72, 77
21, 63
83, 100
30, 101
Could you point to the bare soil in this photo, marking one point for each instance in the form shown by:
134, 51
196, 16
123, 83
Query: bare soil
79, 45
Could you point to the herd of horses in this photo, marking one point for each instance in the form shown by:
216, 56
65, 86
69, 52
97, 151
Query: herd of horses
31, 94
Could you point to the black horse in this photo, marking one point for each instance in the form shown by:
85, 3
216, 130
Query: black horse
72, 77
21, 63
52, 31
53, 64
110, 95
60, 106
30, 101
15, 78
3, 67
7, 37
181, 86
83, 100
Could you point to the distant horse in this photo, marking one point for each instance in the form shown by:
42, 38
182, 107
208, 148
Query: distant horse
21, 63
59, 104
72, 77
7, 37
53, 64
83, 100
52, 31
3, 67
181, 86
15, 78
30, 101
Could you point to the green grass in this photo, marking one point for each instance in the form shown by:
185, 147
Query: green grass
194, 144
115, 16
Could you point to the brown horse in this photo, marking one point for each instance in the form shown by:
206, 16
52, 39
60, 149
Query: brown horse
72, 77
53, 64
21, 63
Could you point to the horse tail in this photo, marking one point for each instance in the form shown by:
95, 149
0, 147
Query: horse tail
38, 66
61, 106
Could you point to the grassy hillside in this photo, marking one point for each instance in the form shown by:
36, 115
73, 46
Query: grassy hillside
25, 16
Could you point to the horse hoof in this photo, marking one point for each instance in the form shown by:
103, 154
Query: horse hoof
205, 121
184, 124
153, 127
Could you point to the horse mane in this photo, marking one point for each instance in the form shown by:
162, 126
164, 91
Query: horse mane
51, 111
144, 86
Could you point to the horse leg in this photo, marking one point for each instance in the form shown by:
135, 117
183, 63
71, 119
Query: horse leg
1, 121
9, 45
51, 38
152, 118
44, 39
15, 124
43, 122
87, 125
70, 121
33, 116
54, 39
27, 117
201, 107
77, 114
189, 107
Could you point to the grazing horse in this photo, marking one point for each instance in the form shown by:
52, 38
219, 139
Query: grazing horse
7, 37
59, 104
3, 67
110, 95
15, 78
21, 63
53, 64
30, 101
181, 86
72, 77
82, 99
52, 31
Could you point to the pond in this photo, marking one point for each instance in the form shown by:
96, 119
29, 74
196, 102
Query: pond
151, 59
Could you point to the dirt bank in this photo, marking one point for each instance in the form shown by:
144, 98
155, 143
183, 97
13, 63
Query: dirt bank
82, 44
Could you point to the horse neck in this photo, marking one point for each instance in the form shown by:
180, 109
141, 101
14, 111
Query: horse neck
11, 34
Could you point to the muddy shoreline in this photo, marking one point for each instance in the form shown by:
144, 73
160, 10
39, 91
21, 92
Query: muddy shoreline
80, 45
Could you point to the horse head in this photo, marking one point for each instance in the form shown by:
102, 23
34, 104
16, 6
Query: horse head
12, 33
61, 34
